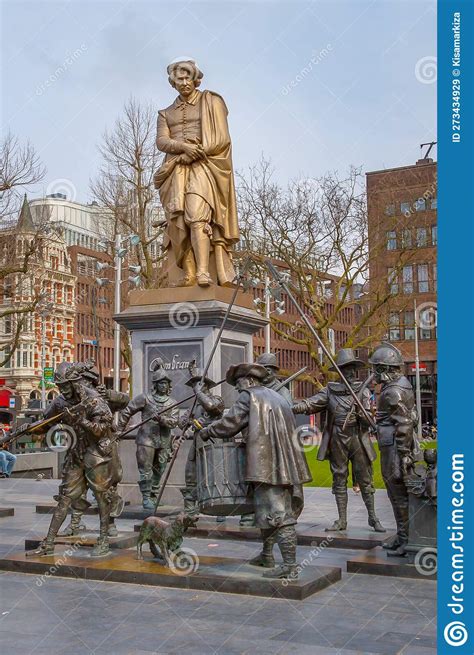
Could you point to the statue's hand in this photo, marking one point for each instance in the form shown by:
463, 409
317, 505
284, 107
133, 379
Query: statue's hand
204, 435
184, 159
300, 408
193, 151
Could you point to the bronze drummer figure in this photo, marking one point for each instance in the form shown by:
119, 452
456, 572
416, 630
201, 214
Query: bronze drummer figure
209, 408
276, 467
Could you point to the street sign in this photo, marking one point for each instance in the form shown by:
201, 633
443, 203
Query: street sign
422, 366
48, 374
90, 342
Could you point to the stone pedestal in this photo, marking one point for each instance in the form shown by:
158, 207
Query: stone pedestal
178, 325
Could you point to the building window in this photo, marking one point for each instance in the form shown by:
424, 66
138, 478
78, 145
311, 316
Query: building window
393, 281
390, 210
434, 235
408, 279
394, 329
434, 203
8, 287
391, 240
405, 208
435, 276
421, 237
423, 278
7, 322
420, 205
409, 325
406, 238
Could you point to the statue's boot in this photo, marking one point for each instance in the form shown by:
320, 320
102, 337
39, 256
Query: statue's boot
112, 531
189, 267
392, 544
75, 526
60, 512
265, 558
117, 504
201, 247
400, 510
145, 488
369, 501
224, 268
286, 539
341, 523
191, 507
102, 548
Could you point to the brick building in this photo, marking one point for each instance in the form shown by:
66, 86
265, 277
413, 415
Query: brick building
45, 335
402, 215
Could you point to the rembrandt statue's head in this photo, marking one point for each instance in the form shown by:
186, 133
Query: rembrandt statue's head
184, 76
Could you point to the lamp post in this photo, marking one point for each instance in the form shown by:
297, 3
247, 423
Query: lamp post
417, 376
119, 253
118, 286
44, 311
269, 294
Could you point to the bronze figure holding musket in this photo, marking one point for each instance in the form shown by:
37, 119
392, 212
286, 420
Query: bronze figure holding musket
346, 438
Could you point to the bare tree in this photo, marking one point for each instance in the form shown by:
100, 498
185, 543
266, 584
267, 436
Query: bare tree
317, 230
124, 185
20, 167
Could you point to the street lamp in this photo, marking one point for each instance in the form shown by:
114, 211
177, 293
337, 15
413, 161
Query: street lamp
271, 294
417, 375
120, 250
44, 310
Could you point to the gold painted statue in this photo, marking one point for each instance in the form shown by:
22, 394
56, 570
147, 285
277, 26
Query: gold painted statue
196, 182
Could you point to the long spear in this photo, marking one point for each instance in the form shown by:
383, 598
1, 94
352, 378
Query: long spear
204, 373
328, 354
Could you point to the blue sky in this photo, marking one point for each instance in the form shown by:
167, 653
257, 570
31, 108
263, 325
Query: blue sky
369, 100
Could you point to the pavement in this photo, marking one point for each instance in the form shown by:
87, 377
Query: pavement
361, 614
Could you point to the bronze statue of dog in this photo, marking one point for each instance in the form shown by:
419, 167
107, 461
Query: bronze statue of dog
162, 536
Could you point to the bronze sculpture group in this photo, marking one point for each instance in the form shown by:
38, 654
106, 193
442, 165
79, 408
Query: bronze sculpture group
264, 421
196, 190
